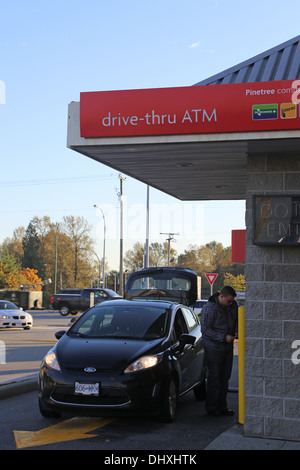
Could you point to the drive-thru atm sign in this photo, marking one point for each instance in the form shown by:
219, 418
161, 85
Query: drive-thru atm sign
241, 107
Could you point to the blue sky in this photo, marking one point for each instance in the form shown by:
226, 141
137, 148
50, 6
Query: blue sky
53, 50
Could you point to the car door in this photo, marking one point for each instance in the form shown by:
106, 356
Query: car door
186, 357
196, 358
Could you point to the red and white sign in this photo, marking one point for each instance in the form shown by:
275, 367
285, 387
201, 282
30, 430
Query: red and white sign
211, 277
239, 107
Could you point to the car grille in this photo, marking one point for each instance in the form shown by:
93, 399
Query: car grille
107, 397
18, 317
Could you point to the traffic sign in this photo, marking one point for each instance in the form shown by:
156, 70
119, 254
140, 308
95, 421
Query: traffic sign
211, 277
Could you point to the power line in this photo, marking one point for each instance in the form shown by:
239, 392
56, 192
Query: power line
72, 179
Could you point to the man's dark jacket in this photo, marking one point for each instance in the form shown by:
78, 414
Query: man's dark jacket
218, 322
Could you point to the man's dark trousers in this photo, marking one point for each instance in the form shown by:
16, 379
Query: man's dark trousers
219, 364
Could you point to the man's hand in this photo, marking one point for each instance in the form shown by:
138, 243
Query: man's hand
229, 338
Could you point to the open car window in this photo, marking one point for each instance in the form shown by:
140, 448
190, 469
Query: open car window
175, 284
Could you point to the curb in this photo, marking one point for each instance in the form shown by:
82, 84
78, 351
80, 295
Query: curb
16, 388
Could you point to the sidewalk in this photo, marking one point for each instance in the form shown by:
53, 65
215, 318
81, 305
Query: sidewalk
234, 439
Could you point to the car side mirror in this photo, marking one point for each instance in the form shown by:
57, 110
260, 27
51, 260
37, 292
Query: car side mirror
59, 334
186, 339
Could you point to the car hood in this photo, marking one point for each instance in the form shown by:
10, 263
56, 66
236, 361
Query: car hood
102, 353
12, 311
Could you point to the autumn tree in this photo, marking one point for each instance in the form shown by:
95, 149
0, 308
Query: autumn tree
210, 258
14, 245
158, 256
78, 231
237, 282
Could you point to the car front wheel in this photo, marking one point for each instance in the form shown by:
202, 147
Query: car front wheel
169, 401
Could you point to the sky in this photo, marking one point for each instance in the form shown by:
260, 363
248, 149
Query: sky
52, 50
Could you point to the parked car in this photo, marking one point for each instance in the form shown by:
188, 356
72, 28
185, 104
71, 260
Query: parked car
197, 307
130, 355
78, 300
12, 316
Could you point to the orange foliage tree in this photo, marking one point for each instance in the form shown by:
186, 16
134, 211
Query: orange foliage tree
25, 277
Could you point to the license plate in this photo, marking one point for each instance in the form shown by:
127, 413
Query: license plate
86, 389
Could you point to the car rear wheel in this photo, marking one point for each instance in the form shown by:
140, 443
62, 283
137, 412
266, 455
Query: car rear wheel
64, 310
169, 401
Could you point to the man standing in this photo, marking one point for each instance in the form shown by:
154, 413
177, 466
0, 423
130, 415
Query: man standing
219, 318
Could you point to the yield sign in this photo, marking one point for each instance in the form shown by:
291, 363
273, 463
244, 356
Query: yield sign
211, 277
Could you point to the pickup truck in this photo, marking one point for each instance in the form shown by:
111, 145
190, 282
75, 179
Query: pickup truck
77, 300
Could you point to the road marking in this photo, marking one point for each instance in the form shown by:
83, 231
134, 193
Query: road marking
68, 430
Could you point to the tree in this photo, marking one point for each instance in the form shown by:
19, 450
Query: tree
210, 258
237, 282
19, 278
158, 256
32, 257
14, 245
9, 260
78, 230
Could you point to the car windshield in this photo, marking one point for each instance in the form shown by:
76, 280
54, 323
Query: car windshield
6, 305
134, 321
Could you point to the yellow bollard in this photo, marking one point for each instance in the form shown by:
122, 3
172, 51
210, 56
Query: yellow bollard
241, 364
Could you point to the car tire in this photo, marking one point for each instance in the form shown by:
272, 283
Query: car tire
26, 327
64, 310
169, 401
47, 413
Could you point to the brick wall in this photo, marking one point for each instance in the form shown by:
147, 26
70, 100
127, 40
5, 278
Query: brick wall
272, 311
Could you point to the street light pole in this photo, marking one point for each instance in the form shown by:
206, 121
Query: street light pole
121, 235
104, 236
146, 261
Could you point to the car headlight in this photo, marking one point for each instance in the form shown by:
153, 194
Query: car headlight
4, 317
51, 360
144, 362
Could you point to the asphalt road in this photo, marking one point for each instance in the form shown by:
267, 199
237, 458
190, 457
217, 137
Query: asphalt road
24, 349
22, 427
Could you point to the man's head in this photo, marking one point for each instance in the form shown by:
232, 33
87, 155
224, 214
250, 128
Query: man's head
226, 296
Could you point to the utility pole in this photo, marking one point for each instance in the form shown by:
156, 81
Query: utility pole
146, 261
55, 265
121, 235
169, 242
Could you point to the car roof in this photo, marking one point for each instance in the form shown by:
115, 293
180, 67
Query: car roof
126, 302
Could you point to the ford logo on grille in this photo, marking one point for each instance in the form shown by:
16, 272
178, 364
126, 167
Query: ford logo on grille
89, 369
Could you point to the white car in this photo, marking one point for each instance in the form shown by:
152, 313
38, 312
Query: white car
12, 316
197, 307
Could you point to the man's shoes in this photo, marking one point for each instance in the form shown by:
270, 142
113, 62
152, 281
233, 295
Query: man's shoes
227, 412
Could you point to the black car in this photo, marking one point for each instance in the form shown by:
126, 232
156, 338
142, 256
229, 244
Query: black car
133, 355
